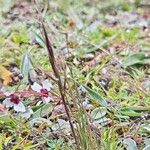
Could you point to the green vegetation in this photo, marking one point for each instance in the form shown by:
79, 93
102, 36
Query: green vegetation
86, 87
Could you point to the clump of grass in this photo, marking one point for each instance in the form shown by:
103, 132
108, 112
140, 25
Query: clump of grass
86, 135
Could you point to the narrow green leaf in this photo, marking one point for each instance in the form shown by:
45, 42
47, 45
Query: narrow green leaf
130, 113
27, 68
145, 128
96, 96
42, 111
39, 40
138, 58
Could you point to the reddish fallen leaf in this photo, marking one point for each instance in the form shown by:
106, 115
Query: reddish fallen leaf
59, 109
2, 95
2, 108
138, 139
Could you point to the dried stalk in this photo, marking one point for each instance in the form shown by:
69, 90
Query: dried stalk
59, 82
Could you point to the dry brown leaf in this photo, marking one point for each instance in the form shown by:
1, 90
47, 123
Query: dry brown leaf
71, 24
5, 75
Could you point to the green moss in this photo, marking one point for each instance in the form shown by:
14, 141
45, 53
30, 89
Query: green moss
131, 35
103, 33
108, 32
126, 7
20, 37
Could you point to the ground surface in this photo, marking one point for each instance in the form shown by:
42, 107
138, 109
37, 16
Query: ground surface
102, 52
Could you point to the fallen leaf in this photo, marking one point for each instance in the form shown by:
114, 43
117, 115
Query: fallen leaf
58, 110
71, 24
5, 75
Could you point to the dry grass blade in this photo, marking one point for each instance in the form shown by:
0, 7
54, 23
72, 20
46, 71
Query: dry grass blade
61, 87
50, 53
